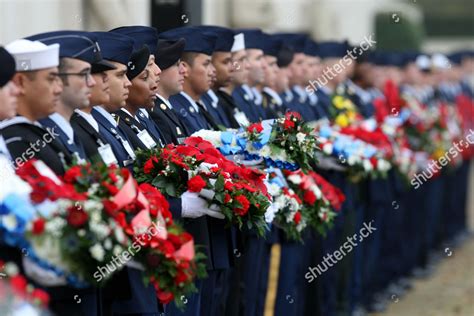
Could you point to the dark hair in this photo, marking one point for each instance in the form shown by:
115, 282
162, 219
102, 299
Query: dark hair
189, 57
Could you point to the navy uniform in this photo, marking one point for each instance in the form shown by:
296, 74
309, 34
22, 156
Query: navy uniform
173, 129
26, 139
218, 244
125, 293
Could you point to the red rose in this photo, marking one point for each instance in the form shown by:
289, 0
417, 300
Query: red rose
110, 207
149, 166
255, 127
38, 226
164, 297
227, 198
196, 184
18, 284
41, 297
297, 218
184, 265
167, 248
180, 278
76, 217
288, 124
72, 174
245, 204
113, 190
309, 197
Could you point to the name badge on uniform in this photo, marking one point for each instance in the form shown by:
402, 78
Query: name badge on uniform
129, 149
181, 140
241, 118
146, 139
107, 155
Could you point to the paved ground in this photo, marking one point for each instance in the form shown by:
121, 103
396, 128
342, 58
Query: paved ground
450, 290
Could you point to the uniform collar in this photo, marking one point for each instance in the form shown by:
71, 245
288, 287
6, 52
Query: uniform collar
301, 92
89, 118
248, 91
63, 124
190, 100
106, 115
273, 94
144, 112
4, 149
258, 96
214, 97
18, 120
165, 101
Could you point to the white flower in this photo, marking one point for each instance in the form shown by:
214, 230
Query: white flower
93, 205
97, 252
327, 148
11, 269
383, 165
119, 234
367, 165
300, 137
265, 151
100, 230
351, 160
81, 232
316, 191
206, 167
301, 225
108, 244
117, 250
55, 226
296, 179
270, 213
273, 188
93, 189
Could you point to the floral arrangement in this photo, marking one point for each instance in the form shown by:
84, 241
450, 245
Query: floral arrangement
197, 166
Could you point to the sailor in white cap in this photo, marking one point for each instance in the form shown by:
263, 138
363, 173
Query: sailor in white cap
39, 90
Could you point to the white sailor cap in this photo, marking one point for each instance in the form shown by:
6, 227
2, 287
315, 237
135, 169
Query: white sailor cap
440, 61
33, 55
423, 62
239, 43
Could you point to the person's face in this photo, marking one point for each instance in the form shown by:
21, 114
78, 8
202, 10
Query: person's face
222, 62
100, 91
338, 76
282, 80
271, 71
297, 68
119, 87
172, 79
240, 67
155, 71
200, 73
143, 90
411, 74
77, 88
311, 67
40, 91
257, 66
8, 100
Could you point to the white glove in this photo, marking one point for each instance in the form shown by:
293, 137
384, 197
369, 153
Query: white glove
193, 206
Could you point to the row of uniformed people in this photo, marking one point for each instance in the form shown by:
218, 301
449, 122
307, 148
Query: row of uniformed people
225, 79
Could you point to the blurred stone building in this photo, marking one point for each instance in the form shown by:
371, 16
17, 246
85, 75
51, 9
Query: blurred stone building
428, 24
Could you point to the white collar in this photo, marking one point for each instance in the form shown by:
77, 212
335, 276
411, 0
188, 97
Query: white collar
301, 92
63, 124
326, 90
106, 115
248, 91
166, 101
258, 96
214, 97
145, 112
4, 149
288, 95
273, 94
89, 118
18, 120
193, 103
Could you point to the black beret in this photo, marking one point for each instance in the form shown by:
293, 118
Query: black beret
169, 52
138, 62
7, 69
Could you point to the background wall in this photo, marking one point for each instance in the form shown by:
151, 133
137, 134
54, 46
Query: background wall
439, 25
